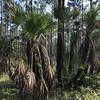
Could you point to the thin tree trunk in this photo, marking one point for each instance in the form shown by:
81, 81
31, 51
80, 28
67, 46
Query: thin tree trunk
82, 17
1, 18
60, 41
91, 2
49, 48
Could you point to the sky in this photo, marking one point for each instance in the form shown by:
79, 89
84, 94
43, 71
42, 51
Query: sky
85, 2
48, 9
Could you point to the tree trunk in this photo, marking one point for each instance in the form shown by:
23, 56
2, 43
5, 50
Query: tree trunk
91, 1
60, 41
51, 48
74, 47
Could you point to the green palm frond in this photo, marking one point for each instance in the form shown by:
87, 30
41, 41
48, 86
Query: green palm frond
2, 43
90, 18
31, 23
96, 35
17, 14
87, 50
37, 24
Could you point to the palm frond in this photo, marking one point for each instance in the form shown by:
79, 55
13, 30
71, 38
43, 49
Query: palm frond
19, 71
17, 14
31, 79
22, 69
37, 24
31, 23
90, 18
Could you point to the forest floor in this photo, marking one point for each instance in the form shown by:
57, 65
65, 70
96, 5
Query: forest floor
7, 91
91, 92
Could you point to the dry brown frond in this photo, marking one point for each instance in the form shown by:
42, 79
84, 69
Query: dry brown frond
31, 80
22, 68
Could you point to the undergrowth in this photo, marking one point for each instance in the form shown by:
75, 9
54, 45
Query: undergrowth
89, 91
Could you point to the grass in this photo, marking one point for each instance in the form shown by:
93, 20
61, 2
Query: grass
90, 90
4, 78
7, 92
80, 94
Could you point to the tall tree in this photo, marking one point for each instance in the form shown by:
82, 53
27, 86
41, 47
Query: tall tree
74, 40
60, 41
91, 2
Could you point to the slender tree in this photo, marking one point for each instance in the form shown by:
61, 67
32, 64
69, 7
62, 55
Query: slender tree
91, 4
60, 41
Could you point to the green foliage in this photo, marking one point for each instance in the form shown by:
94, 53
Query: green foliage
58, 11
81, 94
36, 24
32, 23
87, 92
75, 13
96, 35
17, 14
7, 92
87, 51
90, 18
2, 44
68, 13
4, 78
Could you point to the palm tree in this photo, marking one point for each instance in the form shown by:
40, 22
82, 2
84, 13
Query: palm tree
87, 49
88, 62
33, 26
